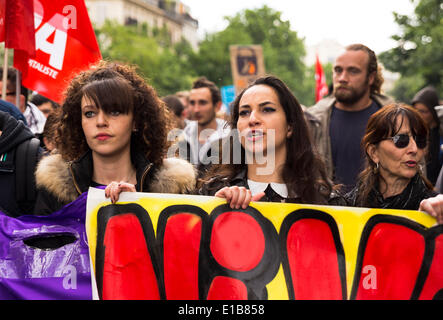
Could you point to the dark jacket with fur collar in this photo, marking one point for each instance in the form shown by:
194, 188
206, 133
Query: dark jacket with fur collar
60, 182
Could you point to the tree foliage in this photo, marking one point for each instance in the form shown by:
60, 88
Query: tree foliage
170, 68
419, 51
164, 66
282, 48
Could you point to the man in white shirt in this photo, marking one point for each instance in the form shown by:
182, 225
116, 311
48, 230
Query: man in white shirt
200, 135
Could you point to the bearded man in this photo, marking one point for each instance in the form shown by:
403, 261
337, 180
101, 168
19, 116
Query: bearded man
357, 82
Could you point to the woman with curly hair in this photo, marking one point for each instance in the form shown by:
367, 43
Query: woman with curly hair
112, 132
278, 162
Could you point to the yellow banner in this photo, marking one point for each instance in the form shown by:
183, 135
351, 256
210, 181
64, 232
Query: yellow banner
164, 246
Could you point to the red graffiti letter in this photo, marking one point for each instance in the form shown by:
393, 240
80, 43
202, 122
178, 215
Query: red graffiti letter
181, 253
128, 272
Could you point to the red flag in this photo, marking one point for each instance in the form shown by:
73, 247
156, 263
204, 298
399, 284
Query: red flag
321, 88
65, 45
2, 19
17, 25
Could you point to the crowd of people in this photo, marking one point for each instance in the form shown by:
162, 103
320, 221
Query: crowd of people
355, 147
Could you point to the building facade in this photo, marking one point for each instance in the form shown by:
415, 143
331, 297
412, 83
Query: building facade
155, 14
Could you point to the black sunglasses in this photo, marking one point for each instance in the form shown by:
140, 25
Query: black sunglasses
402, 141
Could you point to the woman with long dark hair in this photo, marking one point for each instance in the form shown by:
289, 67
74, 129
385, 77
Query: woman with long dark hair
275, 160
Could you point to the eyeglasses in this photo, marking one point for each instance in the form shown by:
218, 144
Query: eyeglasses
402, 141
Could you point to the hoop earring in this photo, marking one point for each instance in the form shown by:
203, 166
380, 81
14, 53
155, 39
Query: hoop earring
377, 168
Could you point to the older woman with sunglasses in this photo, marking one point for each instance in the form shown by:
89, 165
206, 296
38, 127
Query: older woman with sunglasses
395, 145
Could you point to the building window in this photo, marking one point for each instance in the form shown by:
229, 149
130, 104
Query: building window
130, 21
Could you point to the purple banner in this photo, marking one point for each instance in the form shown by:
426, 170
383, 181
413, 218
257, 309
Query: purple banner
45, 257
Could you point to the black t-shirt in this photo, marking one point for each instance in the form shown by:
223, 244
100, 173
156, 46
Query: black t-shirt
96, 185
434, 160
346, 131
102, 186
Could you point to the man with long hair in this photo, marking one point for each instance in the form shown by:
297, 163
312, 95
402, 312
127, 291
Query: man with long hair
357, 82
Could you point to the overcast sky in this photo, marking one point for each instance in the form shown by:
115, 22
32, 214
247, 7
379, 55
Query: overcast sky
370, 22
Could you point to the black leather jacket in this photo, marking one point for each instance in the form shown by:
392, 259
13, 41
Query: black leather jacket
241, 180
409, 199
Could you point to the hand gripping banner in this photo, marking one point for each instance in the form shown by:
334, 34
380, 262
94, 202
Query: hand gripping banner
157, 246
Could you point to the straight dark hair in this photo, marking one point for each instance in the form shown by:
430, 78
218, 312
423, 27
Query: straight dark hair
303, 172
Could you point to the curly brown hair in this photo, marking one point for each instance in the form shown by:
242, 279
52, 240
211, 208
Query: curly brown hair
115, 86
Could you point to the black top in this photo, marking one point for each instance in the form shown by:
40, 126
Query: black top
434, 159
13, 134
241, 180
346, 131
409, 199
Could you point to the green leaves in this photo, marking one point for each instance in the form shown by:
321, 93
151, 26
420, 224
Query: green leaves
282, 48
170, 68
418, 56
166, 67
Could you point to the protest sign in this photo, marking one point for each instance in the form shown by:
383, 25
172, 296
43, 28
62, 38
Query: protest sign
157, 246
247, 64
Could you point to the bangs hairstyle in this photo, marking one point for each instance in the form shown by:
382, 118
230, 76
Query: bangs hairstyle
382, 125
115, 87
121, 99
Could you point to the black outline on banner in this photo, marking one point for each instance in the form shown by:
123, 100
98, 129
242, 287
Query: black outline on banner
301, 214
255, 279
161, 228
275, 251
103, 216
428, 235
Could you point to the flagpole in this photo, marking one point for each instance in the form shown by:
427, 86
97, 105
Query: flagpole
18, 87
5, 74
